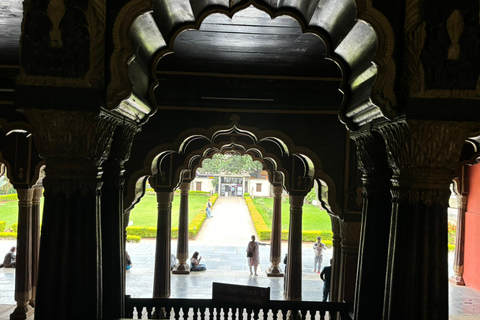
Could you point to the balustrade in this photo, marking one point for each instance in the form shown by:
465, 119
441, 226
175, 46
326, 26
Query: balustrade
207, 309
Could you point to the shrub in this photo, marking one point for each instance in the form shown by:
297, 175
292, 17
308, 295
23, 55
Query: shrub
3, 225
196, 224
451, 247
8, 197
8, 235
15, 227
142, 232
198, 192
134, 239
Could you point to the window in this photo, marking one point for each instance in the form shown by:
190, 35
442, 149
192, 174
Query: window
259, 187
199, 186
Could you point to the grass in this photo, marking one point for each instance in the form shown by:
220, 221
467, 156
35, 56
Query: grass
9, 212
145, 212
313, 218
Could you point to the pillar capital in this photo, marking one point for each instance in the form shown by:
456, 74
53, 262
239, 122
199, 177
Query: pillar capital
277, 190
424, 156
296, 200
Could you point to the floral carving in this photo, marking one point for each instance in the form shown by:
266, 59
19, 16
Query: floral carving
424, 156
74, 145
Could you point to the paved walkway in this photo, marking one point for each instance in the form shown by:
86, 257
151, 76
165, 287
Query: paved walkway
222, 243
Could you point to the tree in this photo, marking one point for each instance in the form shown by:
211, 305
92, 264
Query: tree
230, 164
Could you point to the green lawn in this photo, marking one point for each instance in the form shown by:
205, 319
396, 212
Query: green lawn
145, 212
313, 218
9, 212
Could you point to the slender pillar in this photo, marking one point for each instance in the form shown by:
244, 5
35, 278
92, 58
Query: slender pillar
276, 242
336, 260
462, 200
375, 229
37, 196
23, 270
183, 266
423, 156
294, 263
350, 232
161, 281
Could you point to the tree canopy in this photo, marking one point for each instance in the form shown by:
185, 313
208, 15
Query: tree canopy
230, 164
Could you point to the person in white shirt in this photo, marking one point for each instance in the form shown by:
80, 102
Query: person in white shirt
318, 248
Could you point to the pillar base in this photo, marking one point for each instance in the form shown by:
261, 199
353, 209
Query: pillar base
26, 312
458, 280
181, 268
274, 272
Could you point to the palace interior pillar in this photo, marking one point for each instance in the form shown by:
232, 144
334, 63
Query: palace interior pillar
350, 233
113, 228
276, 242
70, 249
336, 259
375, 229
23, 270
183, 266
294, 263
417, 270
161, 281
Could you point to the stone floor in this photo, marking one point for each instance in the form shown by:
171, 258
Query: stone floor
223, 250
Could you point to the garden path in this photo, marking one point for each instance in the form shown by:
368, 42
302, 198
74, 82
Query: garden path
230, 224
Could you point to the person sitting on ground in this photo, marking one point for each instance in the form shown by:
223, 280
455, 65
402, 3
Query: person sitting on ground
195, 263
128, 261
173, 261
9, 260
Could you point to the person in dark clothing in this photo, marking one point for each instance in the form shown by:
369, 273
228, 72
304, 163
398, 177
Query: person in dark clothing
326, 276
9, 260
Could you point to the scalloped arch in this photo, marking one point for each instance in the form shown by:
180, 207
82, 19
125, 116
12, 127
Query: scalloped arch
357, 36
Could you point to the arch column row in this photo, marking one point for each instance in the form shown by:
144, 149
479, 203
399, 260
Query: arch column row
423, 158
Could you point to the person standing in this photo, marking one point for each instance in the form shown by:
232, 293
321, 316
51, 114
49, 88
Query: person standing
318, 248
208, 208
253, 255
9, 260
326, 276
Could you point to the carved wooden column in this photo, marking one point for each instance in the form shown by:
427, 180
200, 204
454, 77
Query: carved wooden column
276, 242
74, 145
376, 213
350, 233
23, 270
113, 228
423, 156
37, 196
336, 259
462, 200
161, 281
183, 266
294, 263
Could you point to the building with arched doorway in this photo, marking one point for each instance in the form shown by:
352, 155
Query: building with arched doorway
377, 102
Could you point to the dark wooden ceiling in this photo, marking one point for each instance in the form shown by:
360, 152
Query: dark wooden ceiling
250, 62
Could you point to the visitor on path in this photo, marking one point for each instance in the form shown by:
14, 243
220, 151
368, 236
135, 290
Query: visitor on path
253, 255
173, 261
208, 207
9, 260
195, 264
318, 248
326, 276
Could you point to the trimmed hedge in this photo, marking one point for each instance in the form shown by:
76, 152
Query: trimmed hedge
8, 235
3, 225
8, 197
15, 227
265, 233
135, 239
193, 228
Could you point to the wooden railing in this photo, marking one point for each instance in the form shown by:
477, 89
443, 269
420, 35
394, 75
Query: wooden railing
206, 309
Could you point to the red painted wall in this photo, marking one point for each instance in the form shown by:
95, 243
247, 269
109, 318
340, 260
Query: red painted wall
472, 230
